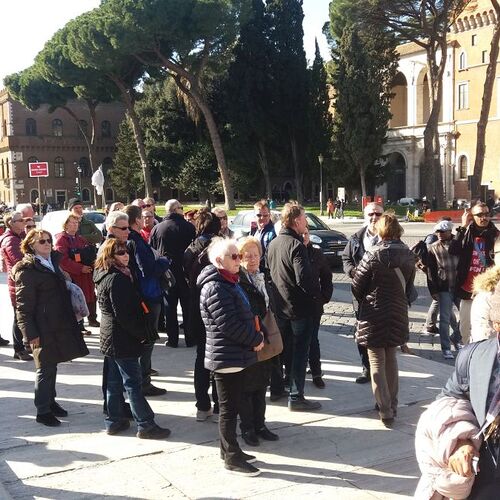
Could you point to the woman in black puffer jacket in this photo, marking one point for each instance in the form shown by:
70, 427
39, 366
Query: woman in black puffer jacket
380, 285
232, 343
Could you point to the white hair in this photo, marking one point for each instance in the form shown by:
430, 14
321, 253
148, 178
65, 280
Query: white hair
114, 217
171, 206
218, 248
372, 204
22, 207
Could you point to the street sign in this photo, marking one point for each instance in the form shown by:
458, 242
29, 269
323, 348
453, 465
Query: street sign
39, 169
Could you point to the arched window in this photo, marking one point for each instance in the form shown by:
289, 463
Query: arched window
85, 194
105, 128
30, 126
59, 167
110, 195
85, 166
33, 196
83, 126
462, 60
57, 127
463, 167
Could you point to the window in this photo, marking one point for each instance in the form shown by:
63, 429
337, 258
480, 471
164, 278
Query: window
59, 167
106, 129
30, 126
57, 127
463, 95
484, 56
110, 195
85, 194
85, 166
474, 40
107, 165
463, 167
462, 61
83, 129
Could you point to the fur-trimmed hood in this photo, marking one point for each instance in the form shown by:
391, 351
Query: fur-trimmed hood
487, 281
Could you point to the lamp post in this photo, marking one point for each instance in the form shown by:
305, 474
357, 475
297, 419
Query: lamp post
79, 178
321, 159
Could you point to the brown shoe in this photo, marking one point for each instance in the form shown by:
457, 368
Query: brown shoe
406, 350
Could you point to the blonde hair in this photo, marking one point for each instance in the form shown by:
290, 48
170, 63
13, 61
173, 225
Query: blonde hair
388, 227
248, 241
290, 212
107, 253
31, 238
68, 219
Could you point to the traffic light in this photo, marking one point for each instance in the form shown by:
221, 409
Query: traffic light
77, 191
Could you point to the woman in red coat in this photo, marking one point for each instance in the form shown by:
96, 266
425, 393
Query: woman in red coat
78, 264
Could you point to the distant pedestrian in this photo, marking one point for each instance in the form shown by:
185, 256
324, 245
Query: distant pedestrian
264, 229
330, 207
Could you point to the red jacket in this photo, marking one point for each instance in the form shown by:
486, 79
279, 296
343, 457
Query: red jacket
10, 247
65, 242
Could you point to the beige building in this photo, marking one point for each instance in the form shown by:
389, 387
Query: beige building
29, 136
463, 81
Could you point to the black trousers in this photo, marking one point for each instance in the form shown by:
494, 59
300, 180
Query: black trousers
180, 292
17, 336
487, 483
202, 380
253, 410
314, 350
229, 389
363, 353
277, 383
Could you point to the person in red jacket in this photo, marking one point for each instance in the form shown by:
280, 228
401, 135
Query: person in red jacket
75, 262
10, 248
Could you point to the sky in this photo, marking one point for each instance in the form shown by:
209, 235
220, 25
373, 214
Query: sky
28, 24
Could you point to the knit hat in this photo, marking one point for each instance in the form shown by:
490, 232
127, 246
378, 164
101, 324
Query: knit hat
73, 202
444, 225
495, 305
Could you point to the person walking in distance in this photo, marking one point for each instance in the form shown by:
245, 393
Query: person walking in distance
473, 244
365, 239
294, 296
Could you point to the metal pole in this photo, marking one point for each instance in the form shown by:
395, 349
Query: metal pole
39, 198
320, 160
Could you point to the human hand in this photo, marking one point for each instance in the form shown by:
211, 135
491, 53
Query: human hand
34, 343
466, 218
86, 269
435, 296
259, 347
460, 461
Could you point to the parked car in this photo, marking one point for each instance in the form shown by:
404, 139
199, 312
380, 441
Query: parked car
331, 242
53, 221
408, 202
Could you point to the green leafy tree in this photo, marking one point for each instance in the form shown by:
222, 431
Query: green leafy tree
364, 69
290, 78
126, 175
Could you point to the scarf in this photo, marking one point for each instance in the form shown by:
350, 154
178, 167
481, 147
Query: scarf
124, 270
228, 276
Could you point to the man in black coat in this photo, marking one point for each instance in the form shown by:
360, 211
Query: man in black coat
171, 238
356, 247
293, 299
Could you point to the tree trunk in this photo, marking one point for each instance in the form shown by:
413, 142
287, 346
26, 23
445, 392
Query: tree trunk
136, 126
297, 170
264, 166
195, 93
362, 178
489, 83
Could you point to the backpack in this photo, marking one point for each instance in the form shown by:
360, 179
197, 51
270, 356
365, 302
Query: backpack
420, 251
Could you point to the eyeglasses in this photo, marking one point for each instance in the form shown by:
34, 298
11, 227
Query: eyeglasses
482, 215
374, 214
17, 220
30, 226
234, 256
122, 228
262, 216
42, 241
121, 252
147, 205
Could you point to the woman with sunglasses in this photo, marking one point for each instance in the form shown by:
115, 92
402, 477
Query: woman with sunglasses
123, 335
225, 232
46, 319
231, 346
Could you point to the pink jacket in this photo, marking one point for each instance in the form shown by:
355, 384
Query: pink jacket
10, 247
440, 427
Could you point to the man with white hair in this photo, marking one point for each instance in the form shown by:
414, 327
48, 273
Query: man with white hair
26, 210
171, 238
365, 239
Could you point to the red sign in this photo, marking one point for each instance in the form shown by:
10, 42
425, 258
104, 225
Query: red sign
39, 169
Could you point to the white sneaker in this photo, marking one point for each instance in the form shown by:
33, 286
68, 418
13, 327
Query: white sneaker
201, 415
448, 354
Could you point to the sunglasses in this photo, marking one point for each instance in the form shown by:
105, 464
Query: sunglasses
374, 214
262, 216
42, 241
147, 205
234, 256
482, 215
180, 208
30, 226
121, 252
122, 228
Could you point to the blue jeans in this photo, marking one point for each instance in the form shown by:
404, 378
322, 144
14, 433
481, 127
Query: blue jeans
125, 373
432, 317
446, 301
296, 340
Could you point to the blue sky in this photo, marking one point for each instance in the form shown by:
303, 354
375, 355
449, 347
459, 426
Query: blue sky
28, 24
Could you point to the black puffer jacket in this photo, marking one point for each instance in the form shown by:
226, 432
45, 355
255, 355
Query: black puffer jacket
123, 326
44, 310
229, 322
383, 305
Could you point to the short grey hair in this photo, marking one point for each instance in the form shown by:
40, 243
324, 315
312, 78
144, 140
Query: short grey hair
372, 204
149, 201
218, 248
22, 207
171, 206
114, 217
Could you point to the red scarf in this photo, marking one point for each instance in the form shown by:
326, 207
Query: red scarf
228, 276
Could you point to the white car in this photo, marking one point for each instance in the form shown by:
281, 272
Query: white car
53, 221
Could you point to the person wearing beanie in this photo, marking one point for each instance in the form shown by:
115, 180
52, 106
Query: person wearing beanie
88, 229
441, 277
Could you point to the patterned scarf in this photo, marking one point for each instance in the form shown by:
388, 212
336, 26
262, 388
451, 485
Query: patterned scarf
124, 270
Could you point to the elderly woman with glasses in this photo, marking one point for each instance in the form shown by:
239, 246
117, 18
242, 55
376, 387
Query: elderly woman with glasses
231, 346
123, 335
46, 319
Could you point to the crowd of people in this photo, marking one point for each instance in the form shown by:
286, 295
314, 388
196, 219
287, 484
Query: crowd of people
252, 308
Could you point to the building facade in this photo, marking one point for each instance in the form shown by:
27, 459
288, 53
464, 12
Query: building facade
463, 81
40, 136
